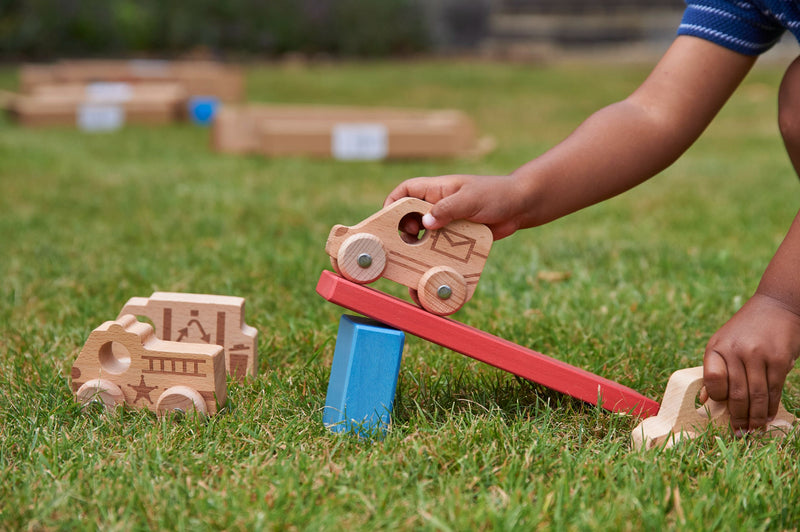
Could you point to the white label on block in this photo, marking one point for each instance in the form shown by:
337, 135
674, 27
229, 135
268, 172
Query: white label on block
364, 142
108, 92
100, 117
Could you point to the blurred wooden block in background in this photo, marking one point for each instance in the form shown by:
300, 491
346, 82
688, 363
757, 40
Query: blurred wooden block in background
348, 133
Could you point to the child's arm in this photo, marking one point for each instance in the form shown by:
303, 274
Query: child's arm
747, 360
617, 148
613, 150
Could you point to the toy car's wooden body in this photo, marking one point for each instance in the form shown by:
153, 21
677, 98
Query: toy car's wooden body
441, 267
123, 362
202, 319
680, 418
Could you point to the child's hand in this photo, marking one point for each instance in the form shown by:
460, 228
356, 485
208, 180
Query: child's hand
747, 360
492, 200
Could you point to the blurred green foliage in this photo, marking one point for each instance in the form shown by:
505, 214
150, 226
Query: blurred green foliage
41, 29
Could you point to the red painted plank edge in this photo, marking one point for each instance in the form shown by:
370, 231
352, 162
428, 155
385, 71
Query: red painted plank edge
485, 347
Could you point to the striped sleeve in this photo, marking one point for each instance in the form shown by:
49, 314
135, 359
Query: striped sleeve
736, 25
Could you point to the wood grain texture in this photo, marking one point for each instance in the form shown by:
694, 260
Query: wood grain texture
202, 318
281, 130
680, 417
63, 104
485, 347
124, 356
460, 248
196, 78
357, 247
442, 290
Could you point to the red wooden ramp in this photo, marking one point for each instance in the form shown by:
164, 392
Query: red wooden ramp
485, 347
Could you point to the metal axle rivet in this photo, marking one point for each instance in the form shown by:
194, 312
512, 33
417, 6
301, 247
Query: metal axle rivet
364, 260
444, 292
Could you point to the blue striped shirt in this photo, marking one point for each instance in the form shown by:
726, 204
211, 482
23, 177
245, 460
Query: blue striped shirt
750, 27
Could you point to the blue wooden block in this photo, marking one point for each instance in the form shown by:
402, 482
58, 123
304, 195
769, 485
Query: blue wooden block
366, 364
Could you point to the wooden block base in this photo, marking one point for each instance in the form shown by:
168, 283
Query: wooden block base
364, 373
485, 347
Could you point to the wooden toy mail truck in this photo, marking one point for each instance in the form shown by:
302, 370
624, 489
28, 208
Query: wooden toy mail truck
123, 362
202, 318
441, 268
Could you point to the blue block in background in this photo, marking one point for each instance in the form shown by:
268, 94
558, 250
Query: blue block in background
202, 109
366, 364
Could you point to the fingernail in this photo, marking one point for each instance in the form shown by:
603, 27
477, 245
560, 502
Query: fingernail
428, 220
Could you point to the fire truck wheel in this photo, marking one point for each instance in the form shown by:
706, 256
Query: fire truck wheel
100, 391
361, 258
442, 290
181, 400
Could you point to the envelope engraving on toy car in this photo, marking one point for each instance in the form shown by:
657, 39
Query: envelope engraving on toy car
453, 244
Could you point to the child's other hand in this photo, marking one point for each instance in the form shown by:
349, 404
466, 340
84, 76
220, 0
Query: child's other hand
747, 360
492, 200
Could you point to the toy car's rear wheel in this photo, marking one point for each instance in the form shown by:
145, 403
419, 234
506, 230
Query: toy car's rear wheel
442, 290
361, 258
412, 293
100, 391
181, 400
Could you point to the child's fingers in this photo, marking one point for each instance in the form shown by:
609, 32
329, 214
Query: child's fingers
430, 189
404, 190
726, 380
715, 375
758, 394
481, 199
411, 227
738, 394
703, 395
430, 222
443, 212
461, 205
776, 377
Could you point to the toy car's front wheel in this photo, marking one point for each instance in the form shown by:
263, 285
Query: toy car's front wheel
361, 258
100, 391
442, 290
181, 400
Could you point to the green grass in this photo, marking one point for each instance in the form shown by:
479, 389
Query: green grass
88, 221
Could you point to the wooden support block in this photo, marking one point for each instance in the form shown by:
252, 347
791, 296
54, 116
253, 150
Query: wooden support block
31, 75
345, 133
680, 418
366, 364
441, 268
203, 318
197, 78
99, 106
485, 347
226, 82
123, 362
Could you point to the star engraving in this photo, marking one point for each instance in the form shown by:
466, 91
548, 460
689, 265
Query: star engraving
143, 390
